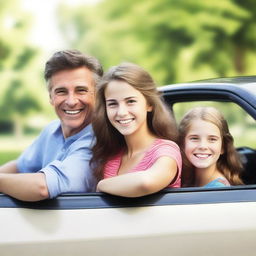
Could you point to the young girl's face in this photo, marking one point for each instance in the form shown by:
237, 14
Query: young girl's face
203, 144
126, 107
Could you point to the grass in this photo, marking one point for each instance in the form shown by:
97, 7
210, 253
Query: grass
11, 147
6, 156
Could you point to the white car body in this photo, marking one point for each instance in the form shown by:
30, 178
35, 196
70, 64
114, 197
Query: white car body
212, 229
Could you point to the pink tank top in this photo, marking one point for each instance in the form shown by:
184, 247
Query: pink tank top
159, 148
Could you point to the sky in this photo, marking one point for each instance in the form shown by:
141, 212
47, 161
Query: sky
45, 32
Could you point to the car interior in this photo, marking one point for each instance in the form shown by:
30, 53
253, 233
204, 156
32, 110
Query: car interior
248, 156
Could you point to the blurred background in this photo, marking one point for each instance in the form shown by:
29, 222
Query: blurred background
175, 40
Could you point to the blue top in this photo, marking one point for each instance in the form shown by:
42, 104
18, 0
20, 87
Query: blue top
65, 162
217, 183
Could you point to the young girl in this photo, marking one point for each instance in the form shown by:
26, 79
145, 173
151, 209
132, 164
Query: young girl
135, 153
210, 159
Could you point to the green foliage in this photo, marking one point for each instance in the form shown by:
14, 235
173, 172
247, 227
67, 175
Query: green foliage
6, 156
176, 40
18, 99
25, 57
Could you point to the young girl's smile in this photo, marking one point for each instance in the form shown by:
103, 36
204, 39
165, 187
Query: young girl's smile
203, 144
126, 107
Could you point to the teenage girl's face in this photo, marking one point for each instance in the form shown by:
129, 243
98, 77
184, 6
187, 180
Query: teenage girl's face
203, 144
126, 108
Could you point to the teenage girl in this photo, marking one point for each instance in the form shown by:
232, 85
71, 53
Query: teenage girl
135, 153
209, 156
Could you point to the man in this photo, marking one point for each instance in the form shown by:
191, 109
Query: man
58, 160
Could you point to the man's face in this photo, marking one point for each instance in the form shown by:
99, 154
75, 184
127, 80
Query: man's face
72, 94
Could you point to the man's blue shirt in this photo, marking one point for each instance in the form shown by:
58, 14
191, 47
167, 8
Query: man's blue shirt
65, 162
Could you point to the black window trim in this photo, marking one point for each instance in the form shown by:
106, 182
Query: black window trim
244, 99
179, 196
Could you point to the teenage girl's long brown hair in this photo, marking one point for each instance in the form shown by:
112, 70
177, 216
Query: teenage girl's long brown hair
109, 141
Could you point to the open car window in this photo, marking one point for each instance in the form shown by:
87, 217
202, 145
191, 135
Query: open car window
241, 124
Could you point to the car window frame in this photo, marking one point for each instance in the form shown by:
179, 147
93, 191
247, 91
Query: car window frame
176, 196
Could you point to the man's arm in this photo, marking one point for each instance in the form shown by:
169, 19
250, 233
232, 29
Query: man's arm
24, 186
9, 167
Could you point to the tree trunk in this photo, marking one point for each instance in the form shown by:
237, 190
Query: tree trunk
18, 127
240, 59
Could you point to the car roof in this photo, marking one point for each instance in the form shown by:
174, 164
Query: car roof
247, 83
232, 80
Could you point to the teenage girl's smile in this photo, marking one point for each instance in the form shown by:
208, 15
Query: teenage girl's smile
125, 121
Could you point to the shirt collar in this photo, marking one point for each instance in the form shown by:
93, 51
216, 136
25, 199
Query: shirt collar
85, 130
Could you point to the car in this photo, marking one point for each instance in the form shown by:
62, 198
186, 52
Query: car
180, 221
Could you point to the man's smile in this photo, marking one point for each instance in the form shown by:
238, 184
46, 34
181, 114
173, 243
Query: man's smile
73, 112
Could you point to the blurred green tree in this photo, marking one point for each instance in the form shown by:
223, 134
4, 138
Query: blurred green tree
245, 37
17, 103
17, 99
176, 40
